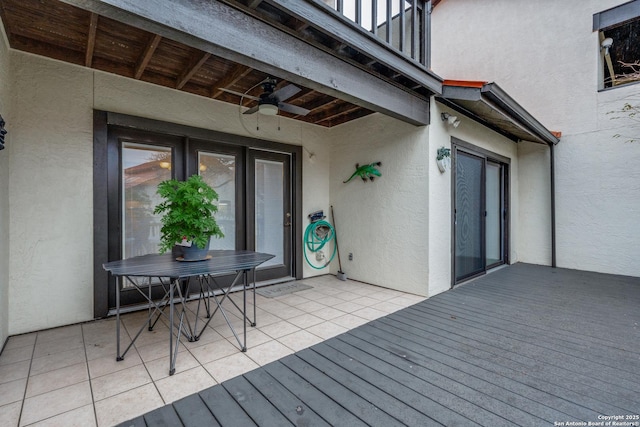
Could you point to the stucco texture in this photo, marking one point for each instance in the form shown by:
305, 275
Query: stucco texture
50, 267
384, 223
4, 191
548, 59
51, 195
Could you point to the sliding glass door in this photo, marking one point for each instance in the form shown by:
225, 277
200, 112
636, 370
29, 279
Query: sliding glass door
469, 216
480, 212
494, 208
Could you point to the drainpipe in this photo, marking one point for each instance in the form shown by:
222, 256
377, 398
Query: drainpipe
553, 207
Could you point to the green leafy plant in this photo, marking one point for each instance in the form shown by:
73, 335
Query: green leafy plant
188, 212
443, 152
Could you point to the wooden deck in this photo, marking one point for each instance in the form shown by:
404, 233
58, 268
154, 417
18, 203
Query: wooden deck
526, 345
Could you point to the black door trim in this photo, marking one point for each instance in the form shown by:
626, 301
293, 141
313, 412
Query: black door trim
103, 121
466, 147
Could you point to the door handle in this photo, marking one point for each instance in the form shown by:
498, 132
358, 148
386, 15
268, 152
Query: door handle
287, 221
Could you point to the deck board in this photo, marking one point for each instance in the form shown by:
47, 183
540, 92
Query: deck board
193, 412
524, 346
317, 401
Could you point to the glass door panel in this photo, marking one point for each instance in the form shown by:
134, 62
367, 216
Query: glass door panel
143, 167
494, 214
219, 171
469, 215
269, 211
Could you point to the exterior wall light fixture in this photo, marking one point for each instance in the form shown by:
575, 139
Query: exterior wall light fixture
452, 120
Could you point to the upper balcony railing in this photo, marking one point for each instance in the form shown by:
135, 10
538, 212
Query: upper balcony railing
407, 20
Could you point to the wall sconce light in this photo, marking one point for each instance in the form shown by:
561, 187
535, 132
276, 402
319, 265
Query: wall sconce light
165, 165
606, 44
452, 120
202, 167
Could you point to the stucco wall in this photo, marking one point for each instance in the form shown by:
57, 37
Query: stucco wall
50, 265
4, 190
51, 203
535, 203
384, 223
547, 58
440, 203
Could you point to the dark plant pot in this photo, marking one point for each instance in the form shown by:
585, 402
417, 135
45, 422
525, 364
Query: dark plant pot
176, 251
194, 253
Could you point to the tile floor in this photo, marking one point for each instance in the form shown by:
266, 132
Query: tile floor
68, 376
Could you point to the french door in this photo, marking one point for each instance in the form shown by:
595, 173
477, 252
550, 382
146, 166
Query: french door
269, 212
480, 212
254, 199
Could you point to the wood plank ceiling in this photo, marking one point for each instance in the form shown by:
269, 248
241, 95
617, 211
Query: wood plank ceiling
64, 32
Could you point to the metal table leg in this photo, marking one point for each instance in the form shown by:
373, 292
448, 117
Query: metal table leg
118, 356
244, 309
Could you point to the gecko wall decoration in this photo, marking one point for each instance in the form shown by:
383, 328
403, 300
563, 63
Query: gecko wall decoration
3, 132
366, 171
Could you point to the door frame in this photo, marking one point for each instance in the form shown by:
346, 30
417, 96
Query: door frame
103, 121
252, 155
486, 155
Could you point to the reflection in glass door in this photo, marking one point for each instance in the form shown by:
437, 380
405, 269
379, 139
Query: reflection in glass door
468, 213
269, 212
270, 202
255, 205
494, 215
143, 167
219, 171
479, 213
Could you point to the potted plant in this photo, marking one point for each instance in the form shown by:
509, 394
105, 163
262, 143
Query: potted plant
188, 216
443, 160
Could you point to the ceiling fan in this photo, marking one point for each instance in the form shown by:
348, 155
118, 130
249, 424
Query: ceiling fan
271, 101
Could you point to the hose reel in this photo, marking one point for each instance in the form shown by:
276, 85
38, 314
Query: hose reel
316, 236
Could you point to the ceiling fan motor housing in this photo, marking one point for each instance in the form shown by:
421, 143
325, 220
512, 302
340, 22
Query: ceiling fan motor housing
267, 98
269, 85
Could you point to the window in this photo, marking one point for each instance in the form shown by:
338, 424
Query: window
619, 37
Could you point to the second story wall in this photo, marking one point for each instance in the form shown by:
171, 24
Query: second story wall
547, 56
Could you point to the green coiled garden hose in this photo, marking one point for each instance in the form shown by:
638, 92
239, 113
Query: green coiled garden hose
317, 235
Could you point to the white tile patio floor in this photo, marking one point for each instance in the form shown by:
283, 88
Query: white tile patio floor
68, 376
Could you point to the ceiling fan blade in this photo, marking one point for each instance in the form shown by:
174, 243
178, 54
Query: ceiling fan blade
233, 92
251, 110
285, 93
293, 109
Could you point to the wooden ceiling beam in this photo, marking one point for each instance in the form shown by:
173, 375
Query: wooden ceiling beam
318, 106
45, 49
253, 3
236, 73
341, 112
192, 68
91, 39
229, 33
146, 56
296, 24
